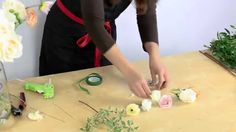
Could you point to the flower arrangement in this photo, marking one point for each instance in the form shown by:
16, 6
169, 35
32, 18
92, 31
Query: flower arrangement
12, 14
164, 101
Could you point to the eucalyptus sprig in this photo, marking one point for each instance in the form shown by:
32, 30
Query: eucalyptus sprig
224, 47
112, 118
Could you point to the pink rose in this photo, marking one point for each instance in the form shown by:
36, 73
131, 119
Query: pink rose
165, 101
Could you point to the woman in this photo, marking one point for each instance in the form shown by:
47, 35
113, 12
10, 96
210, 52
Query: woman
81, 34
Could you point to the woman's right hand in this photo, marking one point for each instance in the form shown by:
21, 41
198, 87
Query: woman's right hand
137, 83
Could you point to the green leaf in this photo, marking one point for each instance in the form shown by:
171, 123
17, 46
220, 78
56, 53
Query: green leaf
227, 31
232, 26
130, 122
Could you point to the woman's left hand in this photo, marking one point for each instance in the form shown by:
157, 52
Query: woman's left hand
157, 69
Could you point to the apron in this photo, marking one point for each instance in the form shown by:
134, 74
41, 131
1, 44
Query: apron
66, 46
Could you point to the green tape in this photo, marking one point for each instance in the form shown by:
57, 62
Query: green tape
93, 79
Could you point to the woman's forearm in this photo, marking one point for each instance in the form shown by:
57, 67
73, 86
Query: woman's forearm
153, 49
118, 60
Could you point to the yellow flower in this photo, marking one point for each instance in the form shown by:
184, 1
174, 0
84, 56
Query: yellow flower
132, 110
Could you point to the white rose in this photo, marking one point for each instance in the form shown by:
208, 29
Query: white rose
146, 105
10, 47
188, 95
17, 8
156, 95
10, 17
6, 27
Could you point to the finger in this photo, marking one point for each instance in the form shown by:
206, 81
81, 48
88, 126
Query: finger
146, 89
133, 89
154, 78
161, 81
141, 91
166, 83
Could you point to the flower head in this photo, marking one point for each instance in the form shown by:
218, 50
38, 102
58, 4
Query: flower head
31, 18
10, 42
132, 110
165, 101
45, 6
10, 47
187, 95
156, 95
146, 105
16, 8
35, 116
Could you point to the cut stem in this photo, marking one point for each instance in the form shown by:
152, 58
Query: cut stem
88, 106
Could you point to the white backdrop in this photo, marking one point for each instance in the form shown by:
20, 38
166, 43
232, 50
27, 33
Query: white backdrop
184, 25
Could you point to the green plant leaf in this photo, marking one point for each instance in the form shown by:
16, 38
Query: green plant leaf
232, 26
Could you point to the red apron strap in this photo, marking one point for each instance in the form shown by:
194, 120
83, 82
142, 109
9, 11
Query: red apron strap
68, 13
86, 39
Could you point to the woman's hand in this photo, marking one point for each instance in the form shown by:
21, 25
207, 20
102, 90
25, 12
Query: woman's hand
137, 83
156, 67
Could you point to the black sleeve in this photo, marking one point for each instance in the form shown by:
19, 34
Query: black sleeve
93, 15
147, 24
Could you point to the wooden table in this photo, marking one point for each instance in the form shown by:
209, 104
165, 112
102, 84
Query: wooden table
214, 110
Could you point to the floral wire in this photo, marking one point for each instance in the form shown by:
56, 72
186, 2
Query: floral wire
88, 106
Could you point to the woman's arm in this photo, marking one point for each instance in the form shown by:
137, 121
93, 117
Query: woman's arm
93, 15
156, 66
147, 24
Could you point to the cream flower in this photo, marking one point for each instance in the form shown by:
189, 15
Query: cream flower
10, 17
35, 116
17, 8
6, 26
156, 95
146, 105
10, 47
132, 110
187, 95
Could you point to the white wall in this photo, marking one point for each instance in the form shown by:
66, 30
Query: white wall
184, 25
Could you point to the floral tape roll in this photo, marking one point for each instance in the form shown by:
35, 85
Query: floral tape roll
92, 79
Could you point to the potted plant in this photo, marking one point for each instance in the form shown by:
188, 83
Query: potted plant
223, 49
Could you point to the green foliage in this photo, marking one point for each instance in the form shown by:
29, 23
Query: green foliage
113, 119
224, 47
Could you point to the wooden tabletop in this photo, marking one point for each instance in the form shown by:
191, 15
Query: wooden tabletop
213, 111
